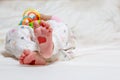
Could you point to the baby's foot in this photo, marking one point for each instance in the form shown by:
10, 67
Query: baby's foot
43, 33
31, 58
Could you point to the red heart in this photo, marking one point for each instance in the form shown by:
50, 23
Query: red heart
41, 40
32, 62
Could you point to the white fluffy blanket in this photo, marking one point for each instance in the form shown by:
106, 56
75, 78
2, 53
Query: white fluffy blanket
96, 24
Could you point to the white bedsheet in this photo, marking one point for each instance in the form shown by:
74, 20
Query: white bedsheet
98, 49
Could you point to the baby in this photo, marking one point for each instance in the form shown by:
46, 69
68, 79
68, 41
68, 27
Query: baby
47, 41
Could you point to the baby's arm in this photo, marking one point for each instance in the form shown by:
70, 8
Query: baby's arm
45, 17
49, 17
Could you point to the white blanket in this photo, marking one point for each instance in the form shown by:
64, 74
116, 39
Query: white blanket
96, 24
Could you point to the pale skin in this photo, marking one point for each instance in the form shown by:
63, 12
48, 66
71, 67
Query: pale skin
43, 34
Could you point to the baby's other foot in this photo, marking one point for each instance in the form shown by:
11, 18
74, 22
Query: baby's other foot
31, 58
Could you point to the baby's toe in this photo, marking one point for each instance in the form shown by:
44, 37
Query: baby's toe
36, 24
21, 60
44, 24
26, 52
50, 29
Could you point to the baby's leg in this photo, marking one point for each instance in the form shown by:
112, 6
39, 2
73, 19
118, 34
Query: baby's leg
31, 58
43, 33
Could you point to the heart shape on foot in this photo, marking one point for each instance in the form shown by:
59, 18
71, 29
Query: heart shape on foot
41, 40
32, 63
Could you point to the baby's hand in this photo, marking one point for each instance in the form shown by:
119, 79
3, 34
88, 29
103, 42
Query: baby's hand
45, 17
